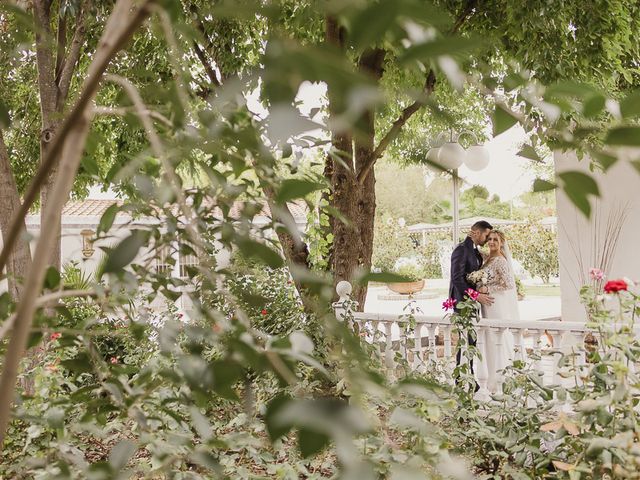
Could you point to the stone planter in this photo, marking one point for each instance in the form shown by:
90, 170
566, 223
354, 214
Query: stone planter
406, 288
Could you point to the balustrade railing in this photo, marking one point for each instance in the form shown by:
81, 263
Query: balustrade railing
424, 341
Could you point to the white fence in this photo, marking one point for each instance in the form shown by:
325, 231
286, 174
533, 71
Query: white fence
422, 340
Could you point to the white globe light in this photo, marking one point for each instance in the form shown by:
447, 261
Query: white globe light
432, 154
477, 157
451, 155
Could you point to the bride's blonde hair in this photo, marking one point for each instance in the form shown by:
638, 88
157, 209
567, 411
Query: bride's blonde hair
503, 239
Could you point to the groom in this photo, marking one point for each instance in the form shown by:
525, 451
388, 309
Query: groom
466, 259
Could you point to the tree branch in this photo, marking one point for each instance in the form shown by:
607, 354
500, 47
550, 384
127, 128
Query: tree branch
66, 73
397, 125
407, 112
206, 64
123, 22
109, 46
62, 44
44, 55
45, 301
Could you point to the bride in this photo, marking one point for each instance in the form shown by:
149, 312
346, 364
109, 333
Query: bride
501, 286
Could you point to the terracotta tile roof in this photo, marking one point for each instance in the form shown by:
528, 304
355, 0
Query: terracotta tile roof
95, 208
88, 208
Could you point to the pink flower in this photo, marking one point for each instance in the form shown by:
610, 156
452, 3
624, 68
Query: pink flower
113, 360
473, 295
449, 304
55, 336
596, 274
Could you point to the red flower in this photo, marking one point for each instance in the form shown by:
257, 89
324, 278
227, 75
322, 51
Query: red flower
55, 336
113, 360
473, 295
263, 312
613, 286
449, 304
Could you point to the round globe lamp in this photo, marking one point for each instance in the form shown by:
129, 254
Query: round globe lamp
477, 158
451, 155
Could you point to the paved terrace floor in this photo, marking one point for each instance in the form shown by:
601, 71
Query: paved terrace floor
531, 308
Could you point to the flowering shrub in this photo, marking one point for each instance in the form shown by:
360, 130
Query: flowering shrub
410, 267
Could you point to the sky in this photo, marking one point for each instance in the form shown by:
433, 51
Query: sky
506, 175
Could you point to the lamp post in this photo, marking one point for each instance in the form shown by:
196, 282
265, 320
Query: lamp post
449, 156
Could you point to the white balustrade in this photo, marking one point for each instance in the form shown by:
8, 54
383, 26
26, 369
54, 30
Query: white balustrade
568, 339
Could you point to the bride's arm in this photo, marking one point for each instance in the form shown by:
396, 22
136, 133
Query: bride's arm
501, 278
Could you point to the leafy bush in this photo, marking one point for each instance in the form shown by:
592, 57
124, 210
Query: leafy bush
536, 248
410, 267
390, 242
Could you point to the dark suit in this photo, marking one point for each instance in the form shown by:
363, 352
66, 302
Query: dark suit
465, 259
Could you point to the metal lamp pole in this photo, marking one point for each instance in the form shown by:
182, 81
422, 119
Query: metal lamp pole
456, 206
450, 156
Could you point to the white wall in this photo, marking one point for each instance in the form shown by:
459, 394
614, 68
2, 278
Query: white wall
581, 241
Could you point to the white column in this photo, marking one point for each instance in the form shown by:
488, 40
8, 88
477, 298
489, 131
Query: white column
581, 240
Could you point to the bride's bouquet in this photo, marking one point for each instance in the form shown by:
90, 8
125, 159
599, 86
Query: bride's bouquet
480, 278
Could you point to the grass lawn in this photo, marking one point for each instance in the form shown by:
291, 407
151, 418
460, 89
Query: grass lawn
542, 290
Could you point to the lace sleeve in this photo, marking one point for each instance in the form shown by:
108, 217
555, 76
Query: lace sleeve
501, 277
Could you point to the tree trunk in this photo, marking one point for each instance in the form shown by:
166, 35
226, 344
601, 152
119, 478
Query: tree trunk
355, 200
20, 258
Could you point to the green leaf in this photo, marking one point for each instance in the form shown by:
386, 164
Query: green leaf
579, 186
275, 428
540, 185
382, 277
259, 251
90, 165
502, 120
81, 363
606, 160
630, 105
571, 89
593, 105
528, 151
123, 254
623, 136
292, 188
225, 374
5, 119
52, 278
121, 453
371, 24
439, 47
311, 442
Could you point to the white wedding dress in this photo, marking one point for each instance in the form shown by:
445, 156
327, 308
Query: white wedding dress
502, 287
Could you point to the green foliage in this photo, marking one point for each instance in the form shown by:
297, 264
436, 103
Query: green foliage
390, 242
536, 247
410, 268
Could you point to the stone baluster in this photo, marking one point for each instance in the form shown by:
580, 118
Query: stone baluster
449, 359
388, 347
343, 289
482, 372
518, 344
418, 356
500, 355
433, 352
579, 353
537, 348
557, 342
375, 335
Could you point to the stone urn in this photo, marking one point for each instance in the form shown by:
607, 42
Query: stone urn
406, 288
